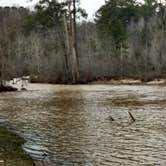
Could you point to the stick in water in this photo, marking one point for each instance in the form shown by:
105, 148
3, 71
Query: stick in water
132, 117
111, 118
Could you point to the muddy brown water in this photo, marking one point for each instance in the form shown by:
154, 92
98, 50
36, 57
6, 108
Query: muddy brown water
71, 126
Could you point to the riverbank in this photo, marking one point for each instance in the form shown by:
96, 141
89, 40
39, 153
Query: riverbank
109, 80
11, 153
130, 82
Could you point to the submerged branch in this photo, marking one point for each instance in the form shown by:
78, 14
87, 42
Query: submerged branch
131, 116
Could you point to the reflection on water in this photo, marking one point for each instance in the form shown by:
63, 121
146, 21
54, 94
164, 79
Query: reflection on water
70, 125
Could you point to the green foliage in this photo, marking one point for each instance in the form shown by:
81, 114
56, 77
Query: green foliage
49, 14
149, 8
114, 17
46, 15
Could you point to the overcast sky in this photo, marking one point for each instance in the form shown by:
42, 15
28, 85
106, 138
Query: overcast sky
90, 5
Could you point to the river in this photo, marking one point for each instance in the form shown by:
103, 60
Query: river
71, 125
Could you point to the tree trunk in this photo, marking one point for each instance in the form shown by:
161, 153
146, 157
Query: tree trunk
75, 30
71, 43
2, 72
67, 49
121, 60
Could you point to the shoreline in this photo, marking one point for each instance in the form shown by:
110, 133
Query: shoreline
126, 81
11, 152
109, 81
129, 82
7, 89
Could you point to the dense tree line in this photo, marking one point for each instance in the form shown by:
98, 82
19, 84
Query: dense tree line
52, 44
137, 34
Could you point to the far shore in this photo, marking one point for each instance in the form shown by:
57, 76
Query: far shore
7, 88
18, 86
11, 152
130, 82
107, 80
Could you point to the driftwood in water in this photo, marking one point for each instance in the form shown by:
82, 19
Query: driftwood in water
111, 118
131, 116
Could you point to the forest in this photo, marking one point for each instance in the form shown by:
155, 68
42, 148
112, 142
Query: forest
55, 43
